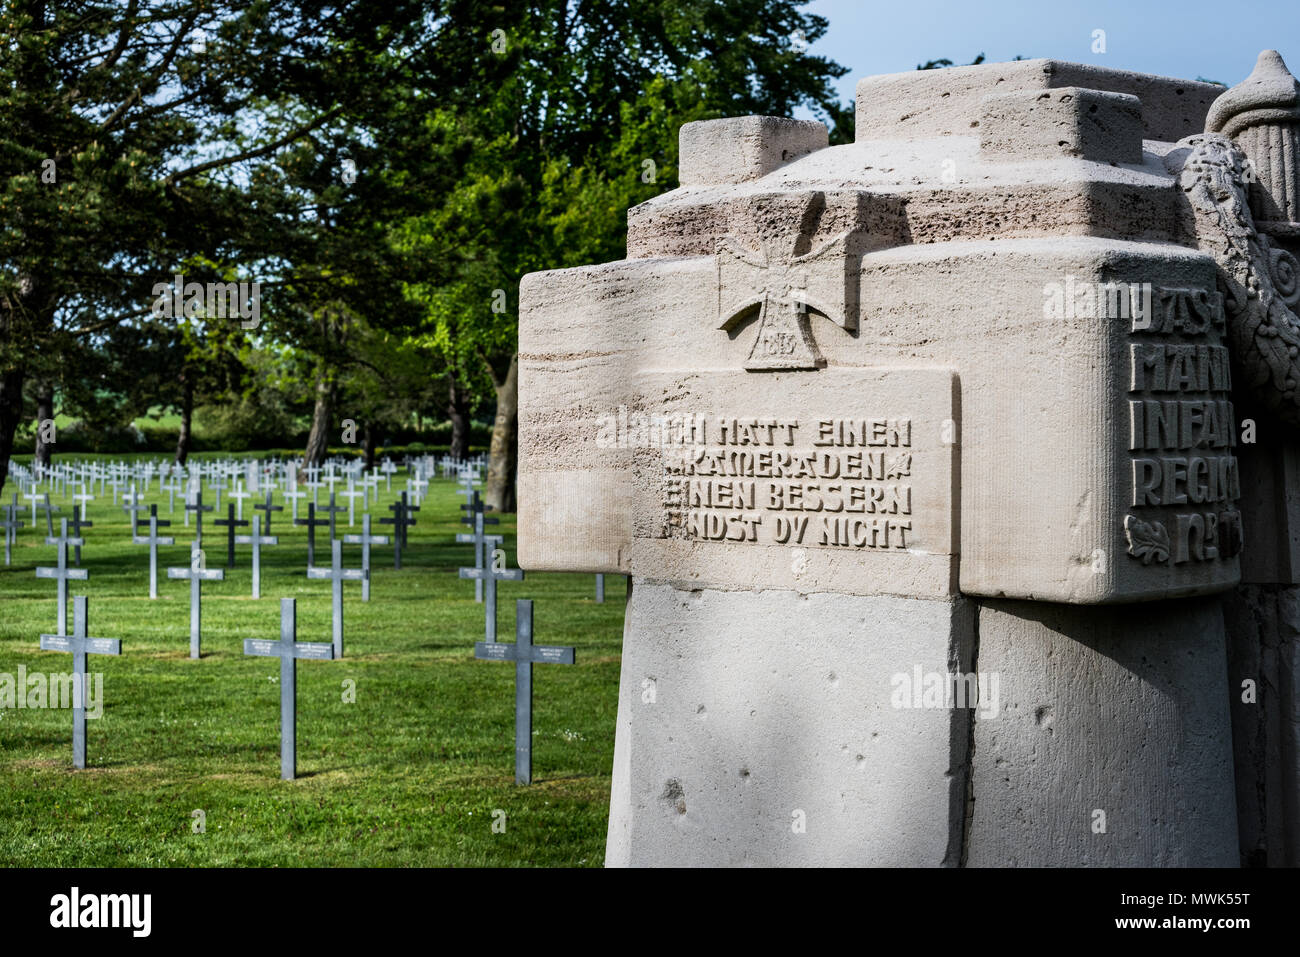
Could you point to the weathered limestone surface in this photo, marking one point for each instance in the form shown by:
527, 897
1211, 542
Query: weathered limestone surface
739, 709
943, 102
1264, 648
1122, 710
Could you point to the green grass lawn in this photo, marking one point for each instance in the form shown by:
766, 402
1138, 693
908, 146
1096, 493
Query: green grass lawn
409, 774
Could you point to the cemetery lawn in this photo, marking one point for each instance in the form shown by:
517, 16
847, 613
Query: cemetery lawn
408, 775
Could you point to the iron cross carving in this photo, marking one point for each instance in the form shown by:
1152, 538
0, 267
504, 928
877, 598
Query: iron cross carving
784, 289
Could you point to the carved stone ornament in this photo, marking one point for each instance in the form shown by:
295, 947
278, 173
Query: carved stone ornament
1258, 278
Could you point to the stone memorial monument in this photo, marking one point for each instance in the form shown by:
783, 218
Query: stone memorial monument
935, 460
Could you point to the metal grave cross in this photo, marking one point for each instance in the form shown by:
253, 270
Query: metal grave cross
132, 503
198, 508
365, 540
82, 498
80, 645
418, 486
217, 483
467, 487
153, 541
488, 576
79, 522
311, 521
351, 495
63, 574
337, 575
153, 513
239, 495
315, 487
12, 523
197, 574
33, 496
333, 510
524, 654
288, 649
230, 523
49, 511
399, 521
171, 486
478, 520
268, 508
257, 540
293, 494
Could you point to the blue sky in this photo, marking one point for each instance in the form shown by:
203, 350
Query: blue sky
1216, 40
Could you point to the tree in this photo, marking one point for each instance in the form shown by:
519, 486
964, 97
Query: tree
131, 136
546, 164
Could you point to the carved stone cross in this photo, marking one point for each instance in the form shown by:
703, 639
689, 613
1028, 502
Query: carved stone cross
783, 289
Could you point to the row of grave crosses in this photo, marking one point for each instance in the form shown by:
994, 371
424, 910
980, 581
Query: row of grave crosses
288, 649
488, 569
239, 480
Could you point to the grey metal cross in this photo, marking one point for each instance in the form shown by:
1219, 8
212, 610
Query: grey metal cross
198, 508
80, 645
63, 574
474, 506
365, 540
197, 574
311, 521
217, 483
293, 494
351, 495
78, 523
338, 575
399, 521
478, 520
333, 510
82, 498
171, 487
49, 511
288, 649
600, 588
524, 654
12, 523
131, 503
153, 541
153, 513
467, 488
268, 508
257, 540
230, 523
488, 576
239, 495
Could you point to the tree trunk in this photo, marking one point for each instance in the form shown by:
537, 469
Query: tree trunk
504, 453
458, 412
187, 417
11, 412
370, 438
44, 413
318, 440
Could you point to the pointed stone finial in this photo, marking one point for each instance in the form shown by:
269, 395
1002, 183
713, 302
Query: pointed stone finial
1262, 114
